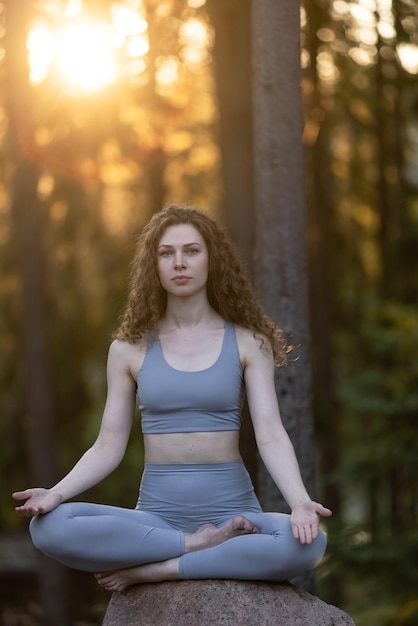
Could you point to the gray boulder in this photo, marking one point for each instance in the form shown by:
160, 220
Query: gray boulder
220, 603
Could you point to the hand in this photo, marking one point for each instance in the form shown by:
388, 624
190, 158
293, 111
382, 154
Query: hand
305, 520
38, 501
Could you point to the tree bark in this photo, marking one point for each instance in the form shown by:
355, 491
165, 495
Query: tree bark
27, 220
232, 55
281, 246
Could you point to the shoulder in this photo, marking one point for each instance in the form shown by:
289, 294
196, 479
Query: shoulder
126, 357
253, 347
119, 350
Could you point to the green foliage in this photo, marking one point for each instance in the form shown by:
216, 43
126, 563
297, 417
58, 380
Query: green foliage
364, 236
380, 576
376, 553
379, 390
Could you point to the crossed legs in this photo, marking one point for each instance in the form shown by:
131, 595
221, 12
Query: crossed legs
205, 538
95, 537
126, 547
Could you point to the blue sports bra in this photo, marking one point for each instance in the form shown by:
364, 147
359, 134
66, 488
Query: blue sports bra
174, 401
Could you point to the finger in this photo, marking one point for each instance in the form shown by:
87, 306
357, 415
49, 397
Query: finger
301, 534
295, 531
22, 512
21, 495
322, 510
308, 534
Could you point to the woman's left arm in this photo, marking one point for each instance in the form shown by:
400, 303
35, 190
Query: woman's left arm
273, 442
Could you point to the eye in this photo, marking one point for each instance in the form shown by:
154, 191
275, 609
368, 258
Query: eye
165, 253
193, 251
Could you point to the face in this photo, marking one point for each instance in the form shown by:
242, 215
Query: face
182, 260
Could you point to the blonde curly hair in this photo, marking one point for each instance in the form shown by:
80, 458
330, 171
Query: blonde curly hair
228, 288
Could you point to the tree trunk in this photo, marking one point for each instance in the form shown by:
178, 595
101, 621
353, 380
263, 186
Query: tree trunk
27, 219
232, 53
281, 246
324, 243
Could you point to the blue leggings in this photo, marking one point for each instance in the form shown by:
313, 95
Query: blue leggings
175, 499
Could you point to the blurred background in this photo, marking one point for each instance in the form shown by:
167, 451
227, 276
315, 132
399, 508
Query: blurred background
108, 110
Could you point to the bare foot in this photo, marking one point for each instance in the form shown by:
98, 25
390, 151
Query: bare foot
120, 579
209, 535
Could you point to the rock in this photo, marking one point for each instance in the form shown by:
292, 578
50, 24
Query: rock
221, 603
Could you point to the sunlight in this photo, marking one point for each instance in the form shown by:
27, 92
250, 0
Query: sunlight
326, 35
127, 21
193, 33
369, 4
368, 24
84, 56
408, 56
195, 38
362, 14
386, 31
167, 72
362, 56
341, 7
137, 46
40, 49
366, 36
327, 70
83, 53
73, 8
196, 4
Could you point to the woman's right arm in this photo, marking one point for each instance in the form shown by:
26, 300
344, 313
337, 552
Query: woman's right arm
107, 451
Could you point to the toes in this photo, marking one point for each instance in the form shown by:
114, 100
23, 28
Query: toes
104, 582
244, 524
109, 585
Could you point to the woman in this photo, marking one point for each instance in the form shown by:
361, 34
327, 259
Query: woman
192, 338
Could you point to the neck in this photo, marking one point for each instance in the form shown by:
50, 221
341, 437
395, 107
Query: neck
185, 313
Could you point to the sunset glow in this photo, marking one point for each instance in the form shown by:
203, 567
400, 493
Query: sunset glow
84, 57
83, 53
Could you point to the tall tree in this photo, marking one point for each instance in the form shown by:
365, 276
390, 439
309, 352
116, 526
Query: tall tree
232, 54
323, 270
323, 248
26, 211
281, 246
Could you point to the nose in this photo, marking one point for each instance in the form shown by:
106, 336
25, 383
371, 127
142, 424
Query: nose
179, 261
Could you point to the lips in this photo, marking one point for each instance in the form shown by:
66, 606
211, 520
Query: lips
181, 280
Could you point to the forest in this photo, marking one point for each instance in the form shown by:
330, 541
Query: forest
111, 109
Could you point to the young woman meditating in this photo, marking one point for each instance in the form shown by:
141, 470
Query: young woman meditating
192, 341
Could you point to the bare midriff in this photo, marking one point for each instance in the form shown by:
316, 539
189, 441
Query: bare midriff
200, 447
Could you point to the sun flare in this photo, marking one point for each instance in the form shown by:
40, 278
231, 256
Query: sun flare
86, 54
84, 57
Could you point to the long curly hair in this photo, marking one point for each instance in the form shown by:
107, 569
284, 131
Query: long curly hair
228, 288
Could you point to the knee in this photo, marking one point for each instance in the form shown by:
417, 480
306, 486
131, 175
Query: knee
319, 546
312, 554
47, 530
296, 558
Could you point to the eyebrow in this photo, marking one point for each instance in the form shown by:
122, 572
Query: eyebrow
186, 245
